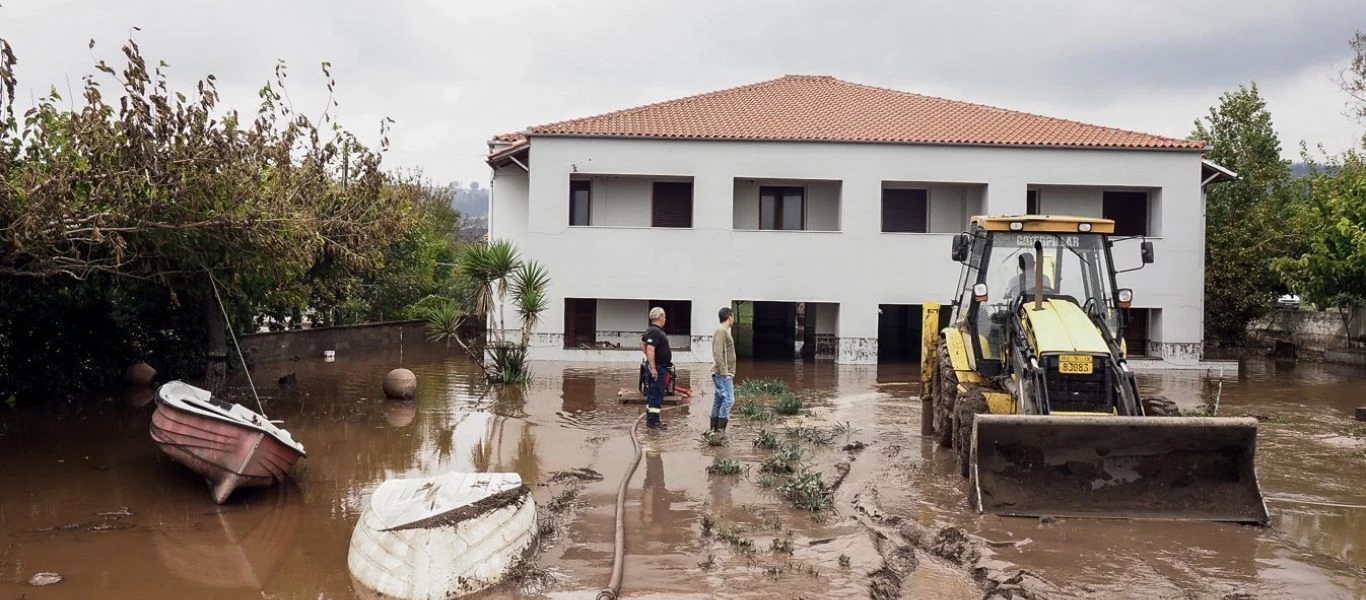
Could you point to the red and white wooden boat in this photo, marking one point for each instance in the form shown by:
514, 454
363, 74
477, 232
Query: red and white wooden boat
229, 444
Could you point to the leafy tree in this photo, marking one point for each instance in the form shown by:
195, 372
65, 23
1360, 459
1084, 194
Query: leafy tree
1331, 271
1352, 80
1245, 219
134, 205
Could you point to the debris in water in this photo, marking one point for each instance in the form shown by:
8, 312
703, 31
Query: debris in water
580, 474
952, 544
1048, 520
44, 578
855, 446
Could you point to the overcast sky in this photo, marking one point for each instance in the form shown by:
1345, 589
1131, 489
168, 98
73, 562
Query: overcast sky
454, 72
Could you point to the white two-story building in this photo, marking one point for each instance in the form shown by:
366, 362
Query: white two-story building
823, 210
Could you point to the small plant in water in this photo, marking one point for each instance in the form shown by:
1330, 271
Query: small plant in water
1360, 431
845, 429
808, 491
724, 466
768, 481
777, 465
787, 404
713, 439
844, 560
760, 387
773, 522
766, 440
708, 525
709, 563
782, 545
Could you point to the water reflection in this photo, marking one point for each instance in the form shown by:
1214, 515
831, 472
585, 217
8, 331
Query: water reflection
235, 546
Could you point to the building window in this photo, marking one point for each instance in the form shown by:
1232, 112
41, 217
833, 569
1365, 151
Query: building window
782, 208
905, 210
1032, 202
1129, 211
678, 316
580, 202
580, 322
671, 204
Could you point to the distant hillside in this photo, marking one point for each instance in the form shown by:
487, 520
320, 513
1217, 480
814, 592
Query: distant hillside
1299, 169
472, 201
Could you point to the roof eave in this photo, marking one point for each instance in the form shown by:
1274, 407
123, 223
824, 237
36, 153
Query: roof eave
618, 136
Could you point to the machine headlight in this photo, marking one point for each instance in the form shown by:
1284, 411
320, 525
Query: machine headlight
979, 292
1124, 297
1084, 227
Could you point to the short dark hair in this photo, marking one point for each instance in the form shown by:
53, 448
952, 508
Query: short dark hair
724, 313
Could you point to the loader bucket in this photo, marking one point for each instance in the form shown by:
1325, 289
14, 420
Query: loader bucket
1182, 468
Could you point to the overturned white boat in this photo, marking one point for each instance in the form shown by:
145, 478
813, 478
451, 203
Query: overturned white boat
442, 537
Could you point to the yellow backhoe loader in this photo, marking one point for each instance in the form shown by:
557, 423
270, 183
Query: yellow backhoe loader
1031, 386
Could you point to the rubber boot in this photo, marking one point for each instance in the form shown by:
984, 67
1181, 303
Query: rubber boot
714, 424
721, 424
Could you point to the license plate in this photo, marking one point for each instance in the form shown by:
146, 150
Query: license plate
1075, 364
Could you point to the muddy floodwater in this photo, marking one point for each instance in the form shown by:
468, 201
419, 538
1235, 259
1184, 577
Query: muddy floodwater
85, 494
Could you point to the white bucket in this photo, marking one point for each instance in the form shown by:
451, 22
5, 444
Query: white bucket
329, 355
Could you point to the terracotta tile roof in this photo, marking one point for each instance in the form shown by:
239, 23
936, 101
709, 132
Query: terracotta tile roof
825, 109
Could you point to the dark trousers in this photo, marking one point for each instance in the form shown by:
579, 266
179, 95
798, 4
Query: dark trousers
654, 394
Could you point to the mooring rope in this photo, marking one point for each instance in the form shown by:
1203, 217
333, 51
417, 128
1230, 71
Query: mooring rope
233, 334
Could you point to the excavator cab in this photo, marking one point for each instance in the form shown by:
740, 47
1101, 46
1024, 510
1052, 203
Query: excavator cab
1031, 385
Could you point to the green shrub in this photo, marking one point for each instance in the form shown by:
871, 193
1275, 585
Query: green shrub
807, 490
760, 387
766, 440
787, 404
724, 466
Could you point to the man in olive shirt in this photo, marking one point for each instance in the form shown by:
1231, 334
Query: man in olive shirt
723, 371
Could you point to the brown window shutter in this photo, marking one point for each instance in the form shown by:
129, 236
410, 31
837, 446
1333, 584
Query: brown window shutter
905, 211
671, 204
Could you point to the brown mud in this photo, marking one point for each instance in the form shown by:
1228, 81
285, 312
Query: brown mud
86, 495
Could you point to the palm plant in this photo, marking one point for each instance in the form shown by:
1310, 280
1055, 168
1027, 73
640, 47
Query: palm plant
529, 291
489, 267
443, 322
497, 270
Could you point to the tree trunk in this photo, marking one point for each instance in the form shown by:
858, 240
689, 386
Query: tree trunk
217, 351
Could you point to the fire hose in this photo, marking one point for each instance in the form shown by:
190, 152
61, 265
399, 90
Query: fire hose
613, 589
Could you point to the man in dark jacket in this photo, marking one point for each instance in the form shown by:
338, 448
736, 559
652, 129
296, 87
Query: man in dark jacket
658, 358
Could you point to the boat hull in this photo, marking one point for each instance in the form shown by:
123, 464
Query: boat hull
442, 537
228, 456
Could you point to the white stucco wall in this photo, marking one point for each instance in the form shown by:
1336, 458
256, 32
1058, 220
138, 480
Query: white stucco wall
1070, 200
857, 267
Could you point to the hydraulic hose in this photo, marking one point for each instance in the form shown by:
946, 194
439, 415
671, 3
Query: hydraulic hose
613, 589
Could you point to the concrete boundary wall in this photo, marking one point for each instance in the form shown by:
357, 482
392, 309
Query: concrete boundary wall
277, 346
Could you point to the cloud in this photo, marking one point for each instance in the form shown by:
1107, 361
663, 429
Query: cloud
453, 73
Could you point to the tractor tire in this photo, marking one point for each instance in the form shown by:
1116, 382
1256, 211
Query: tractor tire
969, 404
945, 395
1158, 406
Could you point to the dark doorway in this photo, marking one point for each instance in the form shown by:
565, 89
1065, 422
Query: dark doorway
775, 330
1136, 332
580, 322
899, 328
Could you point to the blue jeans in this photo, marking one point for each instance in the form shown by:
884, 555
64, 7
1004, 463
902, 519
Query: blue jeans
654, 394
724, 396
